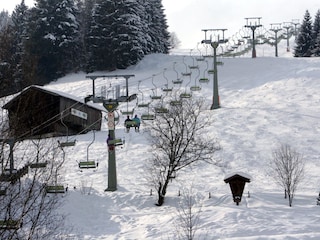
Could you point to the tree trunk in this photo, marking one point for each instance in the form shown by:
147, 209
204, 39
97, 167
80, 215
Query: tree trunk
162, 190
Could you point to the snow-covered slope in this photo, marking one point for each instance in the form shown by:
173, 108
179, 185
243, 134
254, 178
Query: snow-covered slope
264, 102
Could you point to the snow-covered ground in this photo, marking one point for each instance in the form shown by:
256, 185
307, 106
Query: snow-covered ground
264, 102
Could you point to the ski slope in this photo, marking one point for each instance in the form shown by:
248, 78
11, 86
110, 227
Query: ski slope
264, 102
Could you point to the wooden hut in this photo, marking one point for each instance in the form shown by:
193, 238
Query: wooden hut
237, 183
42, 112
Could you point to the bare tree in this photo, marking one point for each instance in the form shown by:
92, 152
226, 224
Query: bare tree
174, 41
188, 216
287, 167
180, 140
26, 210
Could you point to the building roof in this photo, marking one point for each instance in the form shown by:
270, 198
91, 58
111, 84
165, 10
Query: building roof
55, 93
241, 175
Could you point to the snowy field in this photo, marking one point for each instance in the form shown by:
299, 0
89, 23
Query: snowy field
265, 102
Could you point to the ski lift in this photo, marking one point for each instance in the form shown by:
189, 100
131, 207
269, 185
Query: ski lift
130, 124
148, 117
178, 80
186, 73
196, 87
117, 142
155, 96
89, 164
55, 189
193, 66
67, 143
143, 104
166, 89
200, 57
38, 165
161, 110
186, 94
204, 79
127, 113
175, 102
211, 71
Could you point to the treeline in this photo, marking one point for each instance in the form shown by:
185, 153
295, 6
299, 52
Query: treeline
56, 37
308, 39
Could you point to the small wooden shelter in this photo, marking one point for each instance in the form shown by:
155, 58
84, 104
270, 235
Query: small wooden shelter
41, 112
237, 182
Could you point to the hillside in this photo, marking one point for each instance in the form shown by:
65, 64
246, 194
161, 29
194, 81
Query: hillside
265, 102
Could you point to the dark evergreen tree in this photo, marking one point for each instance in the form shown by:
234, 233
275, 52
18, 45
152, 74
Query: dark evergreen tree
316, 46
303, 46
157, 27
54, 38
316, 35
6, 61
128, 39
99, 37
4, 19
19, 22
85, 19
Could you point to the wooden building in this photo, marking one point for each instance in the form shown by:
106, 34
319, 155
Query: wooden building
41, 112
237, 183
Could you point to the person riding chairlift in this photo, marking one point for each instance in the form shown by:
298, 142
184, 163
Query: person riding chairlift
137, 122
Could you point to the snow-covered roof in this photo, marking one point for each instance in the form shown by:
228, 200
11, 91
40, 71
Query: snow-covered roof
234, 174
58, 93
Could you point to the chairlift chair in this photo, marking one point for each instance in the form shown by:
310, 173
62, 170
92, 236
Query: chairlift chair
161, 110
88, 164
176, 103
178, 80
195, 88
185, 95
166, 88
67, 143
10, 224
127, 113
116, 142
186, 73
38, 165
55, 189
147, 117
2, 191
203, 80
143, 104
155, 96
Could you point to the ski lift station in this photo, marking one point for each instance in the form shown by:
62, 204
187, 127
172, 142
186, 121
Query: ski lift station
38, 111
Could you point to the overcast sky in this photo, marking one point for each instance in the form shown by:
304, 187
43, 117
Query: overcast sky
188, 17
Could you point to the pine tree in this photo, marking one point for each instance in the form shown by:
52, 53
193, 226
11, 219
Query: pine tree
98, 39
316, 46
128, 39
85, 19
19, 21
54, 38
157, 27
6, 63
303, 46
316, 35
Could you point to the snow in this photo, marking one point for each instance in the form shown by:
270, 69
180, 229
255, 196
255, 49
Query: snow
264, 102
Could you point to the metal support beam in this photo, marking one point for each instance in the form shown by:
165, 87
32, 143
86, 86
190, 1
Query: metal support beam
214, 44
276, 27
253, 23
